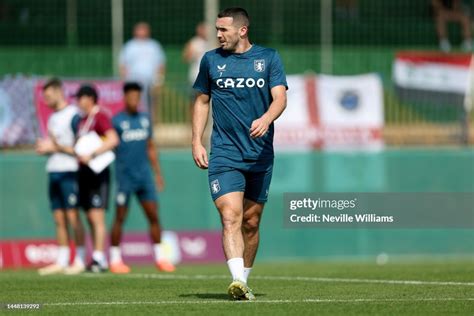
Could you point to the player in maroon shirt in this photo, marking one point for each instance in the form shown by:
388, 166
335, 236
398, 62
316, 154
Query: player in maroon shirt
94, 188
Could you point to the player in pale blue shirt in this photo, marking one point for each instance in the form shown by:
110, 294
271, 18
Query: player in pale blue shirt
247, 86
136, 159
142, 59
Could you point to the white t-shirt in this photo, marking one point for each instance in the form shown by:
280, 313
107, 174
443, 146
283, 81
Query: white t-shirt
198, 47
60, 127
142, 58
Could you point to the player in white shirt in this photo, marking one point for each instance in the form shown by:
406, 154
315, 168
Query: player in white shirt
62, 169
142, 59
193, 51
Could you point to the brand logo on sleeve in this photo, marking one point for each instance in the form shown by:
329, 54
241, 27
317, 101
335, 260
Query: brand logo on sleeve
259, 65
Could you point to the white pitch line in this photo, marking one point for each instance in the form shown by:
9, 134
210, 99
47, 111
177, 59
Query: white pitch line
310, 300
297, 278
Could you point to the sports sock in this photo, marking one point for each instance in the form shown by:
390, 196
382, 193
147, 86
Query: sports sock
63, 256
80, 255
247, 273
99, 256
115, 254
236, 267
156, 251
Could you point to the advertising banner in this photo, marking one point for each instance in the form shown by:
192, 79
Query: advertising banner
179, 247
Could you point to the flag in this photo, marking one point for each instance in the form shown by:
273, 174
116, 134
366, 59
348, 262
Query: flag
432, 77
332, 113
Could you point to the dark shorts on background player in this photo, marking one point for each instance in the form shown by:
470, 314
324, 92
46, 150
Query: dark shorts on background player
143, 188
252, 177
63, 190
93, 188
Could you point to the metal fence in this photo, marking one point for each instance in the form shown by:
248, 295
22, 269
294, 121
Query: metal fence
80, 38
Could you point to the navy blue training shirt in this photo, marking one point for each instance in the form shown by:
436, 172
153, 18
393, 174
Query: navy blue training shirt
134, 131
240, 88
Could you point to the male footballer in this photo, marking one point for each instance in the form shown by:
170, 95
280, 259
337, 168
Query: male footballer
93, 187
136, 159
247, 86
62, 169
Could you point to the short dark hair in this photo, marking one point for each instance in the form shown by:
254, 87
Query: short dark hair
53, 83
238, 14
88, 90
132, 86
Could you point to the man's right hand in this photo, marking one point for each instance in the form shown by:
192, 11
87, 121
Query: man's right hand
200, 156
45, 146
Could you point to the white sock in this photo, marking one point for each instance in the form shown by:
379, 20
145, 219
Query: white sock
63, 256
115, 254
247, 273
236, 267
156, 251
80, 257
99, 256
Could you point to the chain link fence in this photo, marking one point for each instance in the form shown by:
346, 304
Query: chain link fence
76, 38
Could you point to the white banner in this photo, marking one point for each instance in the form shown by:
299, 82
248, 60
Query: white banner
332, 113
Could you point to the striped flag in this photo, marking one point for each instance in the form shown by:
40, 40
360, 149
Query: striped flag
432, 77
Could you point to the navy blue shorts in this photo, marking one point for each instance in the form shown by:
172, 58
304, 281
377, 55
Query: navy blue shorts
144, 189
252, 178
63, 190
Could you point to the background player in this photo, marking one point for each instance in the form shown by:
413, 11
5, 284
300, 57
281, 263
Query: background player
62, 174
143, 59
193, 51
247, 85
94, 188
136, 157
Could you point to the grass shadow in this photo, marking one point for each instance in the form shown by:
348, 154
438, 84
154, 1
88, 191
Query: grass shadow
212, 296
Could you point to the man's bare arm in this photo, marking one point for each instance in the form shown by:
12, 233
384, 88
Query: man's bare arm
47, 146
187, 52
152, 153
261, 125
69, 150
200, 115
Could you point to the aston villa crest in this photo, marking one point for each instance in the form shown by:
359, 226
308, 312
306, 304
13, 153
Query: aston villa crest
144, 122
215, 186
259, 65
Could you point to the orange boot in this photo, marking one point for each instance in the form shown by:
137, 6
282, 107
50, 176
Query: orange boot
119, 268
165, 265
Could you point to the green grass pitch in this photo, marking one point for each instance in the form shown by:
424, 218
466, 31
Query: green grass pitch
302, 288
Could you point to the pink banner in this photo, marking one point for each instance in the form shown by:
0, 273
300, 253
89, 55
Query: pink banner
179, 247
110, 98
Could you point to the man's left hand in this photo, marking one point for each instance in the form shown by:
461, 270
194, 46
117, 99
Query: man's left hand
45, 146
259, 127
160, 183
85, 159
